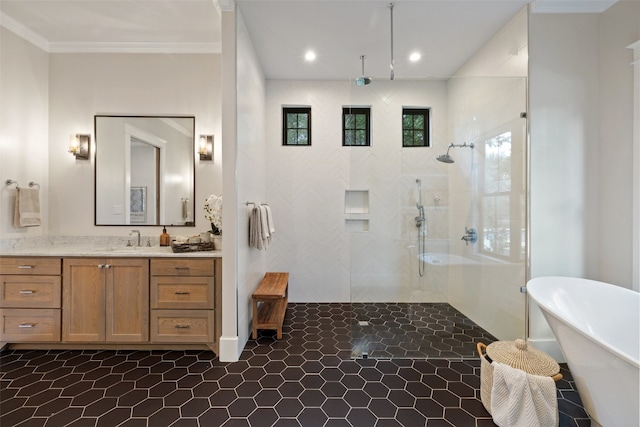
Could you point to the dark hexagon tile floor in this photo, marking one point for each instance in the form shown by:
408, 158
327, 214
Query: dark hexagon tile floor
306, 379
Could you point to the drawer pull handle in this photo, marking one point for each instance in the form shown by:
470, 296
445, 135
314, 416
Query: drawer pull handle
182, 292
26, 292
182, 267
27, 325
183, 326
24, 266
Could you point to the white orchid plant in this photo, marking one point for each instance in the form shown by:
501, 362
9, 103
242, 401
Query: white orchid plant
213, 212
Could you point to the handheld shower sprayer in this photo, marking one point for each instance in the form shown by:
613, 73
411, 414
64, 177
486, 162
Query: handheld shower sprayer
420, 218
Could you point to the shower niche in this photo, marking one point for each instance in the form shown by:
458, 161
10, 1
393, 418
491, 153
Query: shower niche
356, 208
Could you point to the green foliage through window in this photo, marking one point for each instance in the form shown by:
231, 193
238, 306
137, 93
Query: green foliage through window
296, 126
356, 126
415, 127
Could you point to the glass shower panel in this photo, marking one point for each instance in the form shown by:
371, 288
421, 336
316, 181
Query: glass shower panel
416, 288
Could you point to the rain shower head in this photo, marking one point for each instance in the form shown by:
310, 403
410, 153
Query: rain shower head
446, 158
362, 80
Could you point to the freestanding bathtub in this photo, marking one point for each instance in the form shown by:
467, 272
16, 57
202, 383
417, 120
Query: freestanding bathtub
597, 327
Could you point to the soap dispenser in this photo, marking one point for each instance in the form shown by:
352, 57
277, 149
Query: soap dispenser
165, 239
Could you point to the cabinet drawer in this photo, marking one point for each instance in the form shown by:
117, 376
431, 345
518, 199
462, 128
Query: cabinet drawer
183, 326
182, 292
29, 324
30, 291
182, 267
30, 265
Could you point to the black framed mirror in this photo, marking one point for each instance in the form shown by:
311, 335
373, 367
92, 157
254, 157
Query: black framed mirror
144, 170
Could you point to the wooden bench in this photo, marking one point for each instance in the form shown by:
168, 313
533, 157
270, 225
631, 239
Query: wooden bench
270, 303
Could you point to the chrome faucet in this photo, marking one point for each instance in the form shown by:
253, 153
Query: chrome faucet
138, 233
470, 235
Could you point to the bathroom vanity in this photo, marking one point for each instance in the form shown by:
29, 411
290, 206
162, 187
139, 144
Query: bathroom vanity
88, 298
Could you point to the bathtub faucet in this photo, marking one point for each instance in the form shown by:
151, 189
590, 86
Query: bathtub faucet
470, 235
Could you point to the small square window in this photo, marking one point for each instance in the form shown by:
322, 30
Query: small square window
356, 126
415, 127
296, 126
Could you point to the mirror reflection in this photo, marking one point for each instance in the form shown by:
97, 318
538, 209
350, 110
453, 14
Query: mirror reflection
144, 170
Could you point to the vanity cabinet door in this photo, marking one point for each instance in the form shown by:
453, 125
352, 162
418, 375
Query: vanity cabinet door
83, 300
127, 309
105, 300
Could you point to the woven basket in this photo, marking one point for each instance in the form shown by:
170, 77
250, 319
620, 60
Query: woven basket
517, 355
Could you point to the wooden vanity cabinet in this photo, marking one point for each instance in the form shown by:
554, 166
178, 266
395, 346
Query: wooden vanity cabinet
30, 299
105, 300
183, 301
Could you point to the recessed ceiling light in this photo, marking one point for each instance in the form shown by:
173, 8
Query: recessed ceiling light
415, 57
310, 55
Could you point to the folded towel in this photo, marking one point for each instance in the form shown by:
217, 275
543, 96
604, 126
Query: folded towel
270, 219
519, 399
27, 207
264, 222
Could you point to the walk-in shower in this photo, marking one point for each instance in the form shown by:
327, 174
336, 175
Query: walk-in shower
446, 158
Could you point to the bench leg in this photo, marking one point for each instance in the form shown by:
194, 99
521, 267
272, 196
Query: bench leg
254, 332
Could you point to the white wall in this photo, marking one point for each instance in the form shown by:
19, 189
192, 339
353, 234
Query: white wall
619, 27
251, 173
82, 85
327, 260
24, 118
580, 103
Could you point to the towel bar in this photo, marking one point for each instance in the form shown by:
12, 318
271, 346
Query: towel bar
13, 181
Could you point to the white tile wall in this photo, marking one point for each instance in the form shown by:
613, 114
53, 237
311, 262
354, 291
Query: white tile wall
306, 191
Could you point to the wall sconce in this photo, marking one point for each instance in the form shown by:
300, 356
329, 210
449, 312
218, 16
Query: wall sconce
79, 146
205, 147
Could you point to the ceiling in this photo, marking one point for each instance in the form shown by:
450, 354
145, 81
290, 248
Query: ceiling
445, 32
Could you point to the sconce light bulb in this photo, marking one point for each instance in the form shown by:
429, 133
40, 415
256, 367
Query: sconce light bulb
74, 144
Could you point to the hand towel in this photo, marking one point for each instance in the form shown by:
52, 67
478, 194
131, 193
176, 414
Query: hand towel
270, 220
255, 230
519, 399
264, 222
27, 207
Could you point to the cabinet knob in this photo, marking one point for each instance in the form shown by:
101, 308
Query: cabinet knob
100, 265
107, 266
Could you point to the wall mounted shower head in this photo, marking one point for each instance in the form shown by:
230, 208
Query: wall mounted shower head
446, 158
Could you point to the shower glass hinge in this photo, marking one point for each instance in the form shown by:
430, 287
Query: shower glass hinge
523, 289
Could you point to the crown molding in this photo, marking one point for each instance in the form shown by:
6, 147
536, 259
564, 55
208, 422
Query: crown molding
225, 5
16, 27
571, 6
135, 47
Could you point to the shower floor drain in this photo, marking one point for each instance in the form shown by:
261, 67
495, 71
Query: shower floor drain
363, 323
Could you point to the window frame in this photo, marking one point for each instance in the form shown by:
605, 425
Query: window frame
349, 110
425, 112
285, 129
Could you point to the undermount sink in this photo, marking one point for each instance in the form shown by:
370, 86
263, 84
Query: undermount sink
135, 249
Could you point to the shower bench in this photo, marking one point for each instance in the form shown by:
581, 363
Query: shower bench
270, 303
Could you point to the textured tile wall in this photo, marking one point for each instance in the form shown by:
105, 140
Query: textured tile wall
306, 191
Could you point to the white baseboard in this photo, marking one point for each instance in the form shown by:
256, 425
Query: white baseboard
229, 349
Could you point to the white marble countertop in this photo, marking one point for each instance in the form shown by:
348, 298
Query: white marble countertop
90, 251
91, 247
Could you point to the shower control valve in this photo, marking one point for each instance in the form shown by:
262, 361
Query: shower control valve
471, 235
